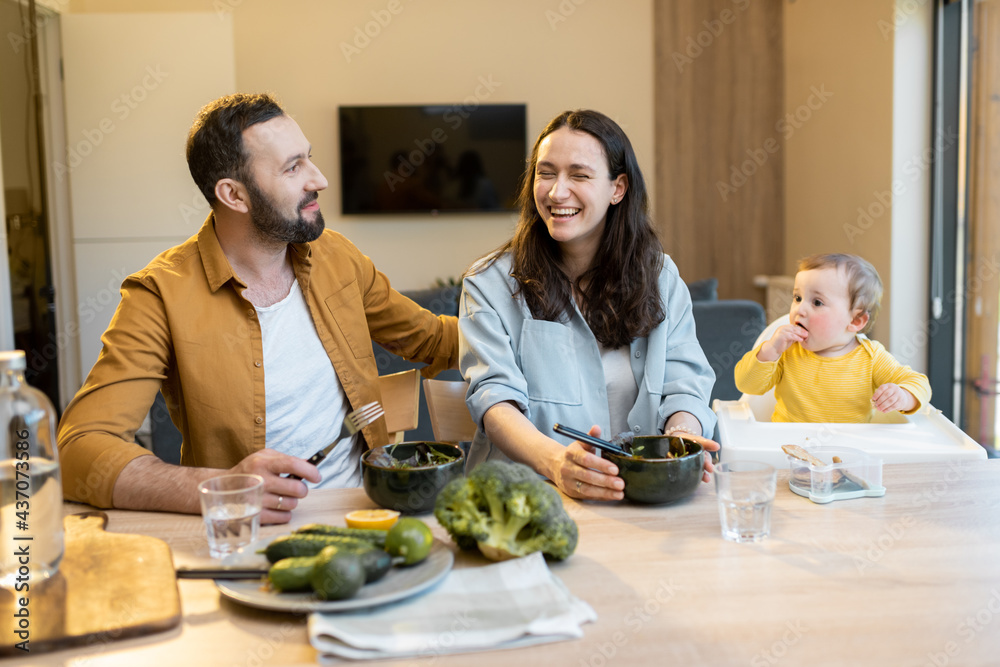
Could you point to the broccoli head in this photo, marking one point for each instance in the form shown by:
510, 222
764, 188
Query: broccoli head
508, 511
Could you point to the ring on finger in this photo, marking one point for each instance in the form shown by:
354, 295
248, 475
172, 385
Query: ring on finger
280, 500
579, 485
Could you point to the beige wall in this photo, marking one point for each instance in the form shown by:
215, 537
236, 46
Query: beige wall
848, 183
912, 164
838, 150
552, 55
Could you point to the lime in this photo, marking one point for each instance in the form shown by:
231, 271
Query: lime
410, 539
338, 574
371, 519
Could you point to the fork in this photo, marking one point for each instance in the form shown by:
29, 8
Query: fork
353, 422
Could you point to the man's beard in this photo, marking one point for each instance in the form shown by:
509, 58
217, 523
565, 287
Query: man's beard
270, 225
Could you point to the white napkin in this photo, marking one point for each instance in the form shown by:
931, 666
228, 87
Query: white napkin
505, 605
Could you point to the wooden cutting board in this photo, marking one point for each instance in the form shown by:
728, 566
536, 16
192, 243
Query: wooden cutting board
109, 586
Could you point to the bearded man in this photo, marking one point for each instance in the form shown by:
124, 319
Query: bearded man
257, 330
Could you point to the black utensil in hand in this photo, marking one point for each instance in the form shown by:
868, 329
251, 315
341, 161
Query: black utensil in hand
589, 439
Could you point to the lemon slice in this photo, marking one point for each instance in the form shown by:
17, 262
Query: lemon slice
373, 519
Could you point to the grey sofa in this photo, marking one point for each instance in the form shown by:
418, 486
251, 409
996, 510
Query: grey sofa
727, 329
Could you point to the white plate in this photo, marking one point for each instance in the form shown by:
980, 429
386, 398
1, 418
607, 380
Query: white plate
397, 584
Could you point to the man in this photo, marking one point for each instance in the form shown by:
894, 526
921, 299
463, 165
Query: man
258, 330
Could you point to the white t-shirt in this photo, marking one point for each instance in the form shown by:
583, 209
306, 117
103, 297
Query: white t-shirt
305, 400
621, 386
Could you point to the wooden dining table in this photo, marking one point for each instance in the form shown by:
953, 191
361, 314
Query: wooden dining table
910, 578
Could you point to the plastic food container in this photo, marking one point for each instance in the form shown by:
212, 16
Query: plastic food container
857, 475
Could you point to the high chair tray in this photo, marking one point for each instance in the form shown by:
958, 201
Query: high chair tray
924, 436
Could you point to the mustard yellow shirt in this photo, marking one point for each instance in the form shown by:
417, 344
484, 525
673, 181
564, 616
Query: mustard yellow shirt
184, 326
811, 388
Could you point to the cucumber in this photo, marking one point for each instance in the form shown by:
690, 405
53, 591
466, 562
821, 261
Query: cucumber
376, 563
306, 544
292, 574
337, 575
376, 537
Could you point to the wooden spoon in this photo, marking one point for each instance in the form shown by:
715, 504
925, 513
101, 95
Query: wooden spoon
797, 452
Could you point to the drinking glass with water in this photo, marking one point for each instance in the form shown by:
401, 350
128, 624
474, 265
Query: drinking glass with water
745, 490
230, 507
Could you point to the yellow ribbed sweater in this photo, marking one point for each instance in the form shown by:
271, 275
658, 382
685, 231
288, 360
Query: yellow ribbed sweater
811, 388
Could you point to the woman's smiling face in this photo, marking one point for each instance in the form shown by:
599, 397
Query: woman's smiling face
574, 188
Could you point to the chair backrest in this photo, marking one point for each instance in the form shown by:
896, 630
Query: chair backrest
725, 331
763, 406
401, 402
450, 417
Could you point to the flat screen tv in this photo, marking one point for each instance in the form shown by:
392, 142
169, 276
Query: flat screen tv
431, 159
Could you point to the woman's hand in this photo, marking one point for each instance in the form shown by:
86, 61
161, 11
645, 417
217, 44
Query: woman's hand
707, 446
581, 473
687, 426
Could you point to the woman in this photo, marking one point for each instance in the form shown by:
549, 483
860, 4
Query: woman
580, 318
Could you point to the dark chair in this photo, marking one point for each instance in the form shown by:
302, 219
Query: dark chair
166, 439
727, 330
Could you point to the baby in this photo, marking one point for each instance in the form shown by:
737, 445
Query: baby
822, 365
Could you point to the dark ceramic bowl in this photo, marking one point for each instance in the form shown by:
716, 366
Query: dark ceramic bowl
652, 478
409, 490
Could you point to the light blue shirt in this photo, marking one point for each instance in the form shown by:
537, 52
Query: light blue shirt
553, 372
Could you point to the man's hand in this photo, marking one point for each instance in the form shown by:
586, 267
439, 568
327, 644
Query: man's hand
784, 337
281, 494
147, 483
890, 397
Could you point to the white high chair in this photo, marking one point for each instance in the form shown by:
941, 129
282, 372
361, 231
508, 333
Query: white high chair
746, 431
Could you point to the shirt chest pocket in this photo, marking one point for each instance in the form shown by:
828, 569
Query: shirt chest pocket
348, 311
549, 363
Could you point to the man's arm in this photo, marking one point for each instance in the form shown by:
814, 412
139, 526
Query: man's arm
97, 430
147, 483
403, 327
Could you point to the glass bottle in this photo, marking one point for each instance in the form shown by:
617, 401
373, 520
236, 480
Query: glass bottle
31, 527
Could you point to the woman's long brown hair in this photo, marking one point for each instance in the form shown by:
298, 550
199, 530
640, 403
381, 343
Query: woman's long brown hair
621, 294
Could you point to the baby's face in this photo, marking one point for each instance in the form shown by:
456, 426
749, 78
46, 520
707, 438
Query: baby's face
821, 306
